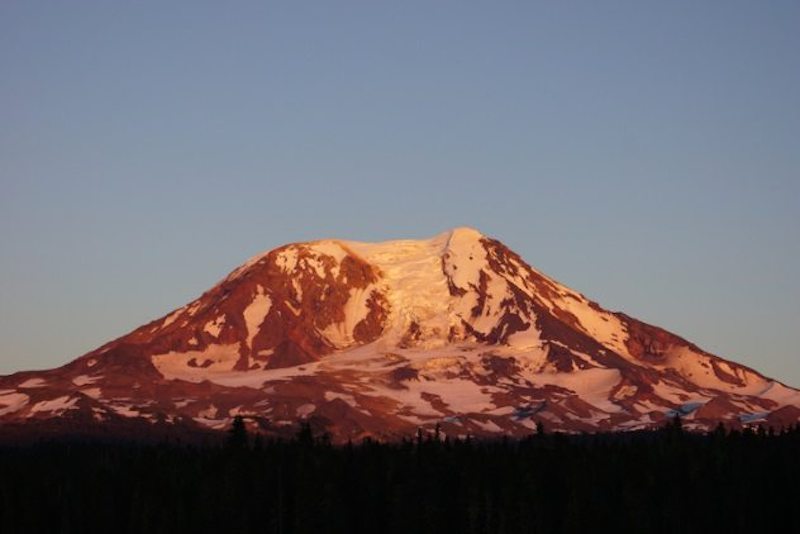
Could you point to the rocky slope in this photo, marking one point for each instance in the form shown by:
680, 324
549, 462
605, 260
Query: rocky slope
380, 339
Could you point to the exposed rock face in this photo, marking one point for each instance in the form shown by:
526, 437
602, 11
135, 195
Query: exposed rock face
380, 339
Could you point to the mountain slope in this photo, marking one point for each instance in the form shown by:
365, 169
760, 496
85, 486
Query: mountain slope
380, 339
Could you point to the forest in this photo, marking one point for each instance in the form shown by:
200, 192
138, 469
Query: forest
664, 480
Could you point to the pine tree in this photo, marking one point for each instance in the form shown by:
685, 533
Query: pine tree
540, 431
675, 425
305, 436
237, 435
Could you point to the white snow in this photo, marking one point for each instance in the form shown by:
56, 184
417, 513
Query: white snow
330, 247
488, 426
340, 335
646, 406
12, 401
239, 271
192, 308
33, 383
591, 385
752, 417
437, 364
209, 413
216, 424
603, 326
414, 279
82, 380
349, 399
174, 365
526, 339
625, 391
697, 368
169, 319
215, 327
287, 259
503, 410
464, 256
459, 395
255, 313
94, 393
292, 308
298, 289
305, 410
59, 404
417, 288
415, 284
676, 394
125, 410
775, 391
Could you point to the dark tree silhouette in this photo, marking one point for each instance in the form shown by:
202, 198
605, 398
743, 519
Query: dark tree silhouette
647, 481
237, 435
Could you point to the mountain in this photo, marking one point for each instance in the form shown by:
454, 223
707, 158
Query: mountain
362, 339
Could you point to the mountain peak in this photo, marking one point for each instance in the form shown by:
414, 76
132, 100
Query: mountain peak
464, 233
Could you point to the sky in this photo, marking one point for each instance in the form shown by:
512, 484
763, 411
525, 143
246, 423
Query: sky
646, 154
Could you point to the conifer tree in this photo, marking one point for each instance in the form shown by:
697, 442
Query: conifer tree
237, 435
540, 431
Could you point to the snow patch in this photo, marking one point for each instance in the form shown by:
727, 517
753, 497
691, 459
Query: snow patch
169, 319
349, 399
295, 311
82, 380
415, 286
174, 365
255, 313
215, 327
298, 290
332, 248
216, 424
58, 405
286, 260
488, 426
93, 393
603, 326
526, 339
305, 410
12, 401
209, 413
775, 391
590, 385
33, 383
753, 417
356, 309
125, 410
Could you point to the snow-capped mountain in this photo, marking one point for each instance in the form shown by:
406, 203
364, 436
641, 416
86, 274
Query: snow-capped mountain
382, 339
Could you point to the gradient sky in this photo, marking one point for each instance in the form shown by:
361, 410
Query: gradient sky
644, 153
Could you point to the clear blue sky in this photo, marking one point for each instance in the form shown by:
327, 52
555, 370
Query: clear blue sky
645, 153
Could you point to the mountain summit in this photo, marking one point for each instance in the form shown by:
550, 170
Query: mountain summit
379, 339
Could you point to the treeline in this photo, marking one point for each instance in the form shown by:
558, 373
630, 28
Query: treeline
659, 481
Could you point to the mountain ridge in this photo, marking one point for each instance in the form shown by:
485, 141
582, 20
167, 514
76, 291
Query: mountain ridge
378, 339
